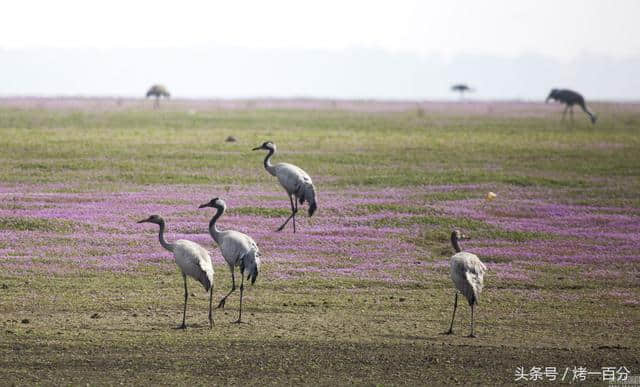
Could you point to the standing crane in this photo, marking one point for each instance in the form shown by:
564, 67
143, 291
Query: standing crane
467, 273
238, 249
570, 98
158, 91
192, 259
294, 180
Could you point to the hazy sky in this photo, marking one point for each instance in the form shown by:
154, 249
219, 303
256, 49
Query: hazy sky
558, 30
561, 29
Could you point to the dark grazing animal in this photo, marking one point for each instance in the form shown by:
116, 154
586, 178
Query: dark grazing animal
570, 98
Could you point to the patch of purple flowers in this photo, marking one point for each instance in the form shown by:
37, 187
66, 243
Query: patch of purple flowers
341, 240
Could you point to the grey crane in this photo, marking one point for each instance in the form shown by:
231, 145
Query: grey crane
467, 273
294, 180
570, 98
192, 259
158, 91
238, 249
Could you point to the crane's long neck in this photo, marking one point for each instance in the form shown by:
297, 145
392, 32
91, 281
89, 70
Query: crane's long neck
454, 242
163, 241
267, 162
213, 228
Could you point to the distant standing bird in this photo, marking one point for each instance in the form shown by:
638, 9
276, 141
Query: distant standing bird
570, 98
467, 272
461, 88
158, 91
192, 259
238, 249
294, 180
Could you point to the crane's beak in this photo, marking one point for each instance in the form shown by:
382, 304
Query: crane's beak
204, 205
257, 148
143, 220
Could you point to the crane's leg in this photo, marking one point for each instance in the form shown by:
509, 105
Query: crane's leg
571, 113
233, 288
156, 103
241, 291
293, 213
184, 311
564, 113
455, 305
210, 312
471, 335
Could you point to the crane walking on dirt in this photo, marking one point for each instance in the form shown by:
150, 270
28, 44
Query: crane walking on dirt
238, 249
192, 259
294, 180
467, 272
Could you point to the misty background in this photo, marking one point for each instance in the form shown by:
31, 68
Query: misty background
401, 49
219, 72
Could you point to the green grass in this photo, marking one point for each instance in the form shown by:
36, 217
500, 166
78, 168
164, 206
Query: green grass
397, 149
258, 211
312, 329
35, 224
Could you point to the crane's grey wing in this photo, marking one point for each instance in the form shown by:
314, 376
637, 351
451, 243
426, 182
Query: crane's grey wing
234, 245
297, 182
467, 273
291, 177
475, 276
194, 261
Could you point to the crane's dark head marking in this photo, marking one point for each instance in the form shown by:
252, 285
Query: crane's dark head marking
267, 145
210, 203
215, 202
157, 219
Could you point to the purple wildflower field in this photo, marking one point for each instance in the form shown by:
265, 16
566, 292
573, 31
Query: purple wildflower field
350, 238
104, 235
583, 234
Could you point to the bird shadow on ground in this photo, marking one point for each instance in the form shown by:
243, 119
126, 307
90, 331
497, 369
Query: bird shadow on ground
157, 327
407, 337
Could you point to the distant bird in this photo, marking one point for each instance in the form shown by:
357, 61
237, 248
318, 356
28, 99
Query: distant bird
158, 91
294, 180
461, 88
192, 259
238, 249
467, 272
570, 98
